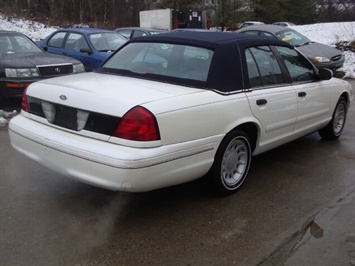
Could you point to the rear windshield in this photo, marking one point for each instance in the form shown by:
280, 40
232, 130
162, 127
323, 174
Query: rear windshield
162, 60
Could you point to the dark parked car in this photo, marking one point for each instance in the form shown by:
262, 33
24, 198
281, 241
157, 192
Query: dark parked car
321, 55
133, 32
90, 46
23, 62
171, 108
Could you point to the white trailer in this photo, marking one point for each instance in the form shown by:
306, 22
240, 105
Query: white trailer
158, 19
168, 19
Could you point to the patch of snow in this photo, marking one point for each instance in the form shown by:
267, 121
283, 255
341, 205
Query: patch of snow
36, 31
6, 116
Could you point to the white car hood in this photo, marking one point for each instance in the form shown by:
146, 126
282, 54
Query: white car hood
104, 93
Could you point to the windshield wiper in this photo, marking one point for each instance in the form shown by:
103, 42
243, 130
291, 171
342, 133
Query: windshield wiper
305, 43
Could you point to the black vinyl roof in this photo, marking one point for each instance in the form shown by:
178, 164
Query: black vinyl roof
228, 69
210, 39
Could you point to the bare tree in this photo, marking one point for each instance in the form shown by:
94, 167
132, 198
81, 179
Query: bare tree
336, 10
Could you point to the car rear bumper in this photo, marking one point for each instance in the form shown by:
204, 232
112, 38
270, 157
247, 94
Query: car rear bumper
109, 165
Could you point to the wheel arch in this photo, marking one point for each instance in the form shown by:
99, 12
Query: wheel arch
232, 159
252, 130
346, 96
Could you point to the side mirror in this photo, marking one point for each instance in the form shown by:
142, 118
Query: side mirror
45, 48
85, 50
325, 74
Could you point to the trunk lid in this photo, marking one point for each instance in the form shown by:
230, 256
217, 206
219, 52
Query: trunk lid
104, 93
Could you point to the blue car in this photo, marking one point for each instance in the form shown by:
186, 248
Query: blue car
90, 46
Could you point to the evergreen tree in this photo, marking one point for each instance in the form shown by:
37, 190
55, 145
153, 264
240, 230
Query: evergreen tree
269, 11
302, 12
179, 4
227, 13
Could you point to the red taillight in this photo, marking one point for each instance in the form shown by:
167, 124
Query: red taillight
138, 124
24, 104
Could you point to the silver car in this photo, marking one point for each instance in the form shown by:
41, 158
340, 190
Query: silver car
321, 55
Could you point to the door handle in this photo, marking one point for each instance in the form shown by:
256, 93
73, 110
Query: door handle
302, 94
261, 102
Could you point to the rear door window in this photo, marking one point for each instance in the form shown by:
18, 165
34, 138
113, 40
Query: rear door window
267, 34
72, 41
252, 32
263, 68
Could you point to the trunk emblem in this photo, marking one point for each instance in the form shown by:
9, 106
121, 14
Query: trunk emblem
63, 97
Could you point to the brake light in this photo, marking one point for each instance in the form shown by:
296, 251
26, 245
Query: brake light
24, 104
138, 124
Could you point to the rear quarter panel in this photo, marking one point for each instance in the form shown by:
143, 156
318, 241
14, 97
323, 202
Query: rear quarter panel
200, 115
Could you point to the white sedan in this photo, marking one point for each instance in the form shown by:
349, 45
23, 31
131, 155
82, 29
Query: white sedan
171, 108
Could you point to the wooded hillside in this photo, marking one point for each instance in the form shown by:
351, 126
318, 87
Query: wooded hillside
112, 14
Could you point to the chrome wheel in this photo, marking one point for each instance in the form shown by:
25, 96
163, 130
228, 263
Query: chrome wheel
231, 164
339, 118
235, 162
335, 127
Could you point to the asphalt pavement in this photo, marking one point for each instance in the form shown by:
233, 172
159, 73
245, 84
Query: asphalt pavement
327, 239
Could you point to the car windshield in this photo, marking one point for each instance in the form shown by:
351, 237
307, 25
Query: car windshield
293, 37
15, 44
107, 41
162, 60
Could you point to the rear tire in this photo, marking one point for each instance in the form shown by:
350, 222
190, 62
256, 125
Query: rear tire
335, 127
231, 165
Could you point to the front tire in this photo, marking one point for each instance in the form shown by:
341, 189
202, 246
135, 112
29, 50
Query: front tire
231, 165
335, 127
